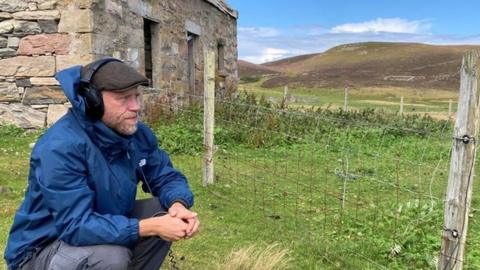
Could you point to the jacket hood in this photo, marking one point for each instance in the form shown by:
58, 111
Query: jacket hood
70, 81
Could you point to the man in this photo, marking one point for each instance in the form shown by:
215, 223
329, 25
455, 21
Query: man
79, 210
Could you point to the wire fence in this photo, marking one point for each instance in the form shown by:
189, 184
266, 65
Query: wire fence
359, 189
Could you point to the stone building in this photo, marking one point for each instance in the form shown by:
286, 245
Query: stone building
163, 39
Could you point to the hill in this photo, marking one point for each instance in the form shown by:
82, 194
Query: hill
373, 64
247, 69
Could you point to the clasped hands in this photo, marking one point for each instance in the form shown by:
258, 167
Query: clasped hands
179, 223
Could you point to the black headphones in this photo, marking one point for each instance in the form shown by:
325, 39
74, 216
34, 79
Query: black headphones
92, 96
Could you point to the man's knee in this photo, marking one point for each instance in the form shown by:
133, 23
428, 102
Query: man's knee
98, 257
109, 257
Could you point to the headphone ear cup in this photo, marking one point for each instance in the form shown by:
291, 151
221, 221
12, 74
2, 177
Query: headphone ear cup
93, 101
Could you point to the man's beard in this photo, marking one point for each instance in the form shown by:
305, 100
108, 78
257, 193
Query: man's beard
122, 126
127, 129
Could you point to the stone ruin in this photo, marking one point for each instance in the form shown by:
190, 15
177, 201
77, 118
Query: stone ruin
165, 40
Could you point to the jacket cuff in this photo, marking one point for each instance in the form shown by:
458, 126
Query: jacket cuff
134, 233
179, 201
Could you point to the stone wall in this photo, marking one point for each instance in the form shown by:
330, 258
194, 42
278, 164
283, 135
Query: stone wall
41, 37
37, 39
119, 31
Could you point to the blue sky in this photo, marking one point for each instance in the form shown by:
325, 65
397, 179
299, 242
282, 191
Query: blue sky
270, 30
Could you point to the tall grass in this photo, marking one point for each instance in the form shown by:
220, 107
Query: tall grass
254, 121
255, 257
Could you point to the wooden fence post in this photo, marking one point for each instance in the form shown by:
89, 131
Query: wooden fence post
458, 197
345, 101
209, 115
401, 105
285, 97
449, 109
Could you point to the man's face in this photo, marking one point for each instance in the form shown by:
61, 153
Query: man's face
121, 110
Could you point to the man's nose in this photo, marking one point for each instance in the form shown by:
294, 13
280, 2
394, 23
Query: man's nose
134, 104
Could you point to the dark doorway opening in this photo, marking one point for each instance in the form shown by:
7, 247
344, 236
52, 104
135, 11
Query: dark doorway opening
191, 41
147, 37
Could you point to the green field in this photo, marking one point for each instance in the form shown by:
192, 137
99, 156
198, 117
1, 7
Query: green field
340, 190
430, 101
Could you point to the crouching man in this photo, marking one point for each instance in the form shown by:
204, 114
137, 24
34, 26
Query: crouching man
79, 210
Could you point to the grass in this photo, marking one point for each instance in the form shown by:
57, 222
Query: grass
275, 189
257, 258
423, 101
341, 191
14, 161
302, 210
292, 196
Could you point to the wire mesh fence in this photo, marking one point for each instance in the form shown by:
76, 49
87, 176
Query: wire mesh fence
359, 189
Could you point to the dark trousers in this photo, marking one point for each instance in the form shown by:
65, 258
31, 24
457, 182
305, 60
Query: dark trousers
147, 254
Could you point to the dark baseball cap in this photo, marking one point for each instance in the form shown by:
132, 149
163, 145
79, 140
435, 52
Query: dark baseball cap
115, 76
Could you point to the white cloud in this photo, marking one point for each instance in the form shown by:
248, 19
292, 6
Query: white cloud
390, 25
268, 55
265, 44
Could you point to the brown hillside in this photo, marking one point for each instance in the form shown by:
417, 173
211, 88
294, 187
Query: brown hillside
374, 64
247, 69
290, 61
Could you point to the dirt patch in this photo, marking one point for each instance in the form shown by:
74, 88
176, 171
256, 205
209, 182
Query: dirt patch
382, 102
442, 116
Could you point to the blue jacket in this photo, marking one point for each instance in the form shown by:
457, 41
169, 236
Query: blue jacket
83, 181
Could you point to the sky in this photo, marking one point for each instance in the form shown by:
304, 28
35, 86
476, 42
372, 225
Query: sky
269, 30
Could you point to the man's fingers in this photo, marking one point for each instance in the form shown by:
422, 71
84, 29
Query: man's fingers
196, 226
190, 224
187, 214
172, 212
176, 236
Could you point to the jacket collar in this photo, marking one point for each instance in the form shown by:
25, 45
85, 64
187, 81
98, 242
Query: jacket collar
108, 140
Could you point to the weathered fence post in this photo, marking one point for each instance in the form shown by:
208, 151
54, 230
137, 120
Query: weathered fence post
209, 115
401, 106
458, 197
449, 109
285, 97
345, 101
